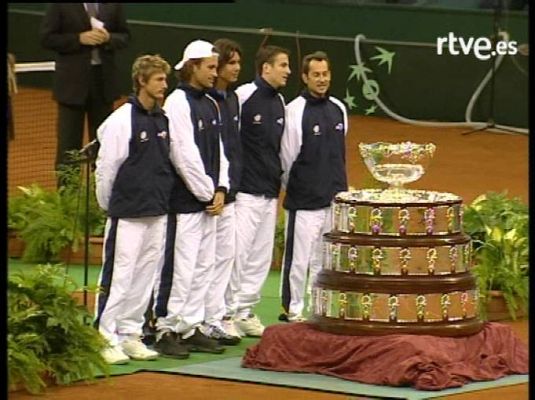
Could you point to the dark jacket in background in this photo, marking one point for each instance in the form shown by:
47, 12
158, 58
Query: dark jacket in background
60, 30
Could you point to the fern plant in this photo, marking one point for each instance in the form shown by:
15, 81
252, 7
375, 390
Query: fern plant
49, 221
47, 336
498, 226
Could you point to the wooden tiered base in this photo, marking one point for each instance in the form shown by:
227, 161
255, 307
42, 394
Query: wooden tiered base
360, 328
356, 304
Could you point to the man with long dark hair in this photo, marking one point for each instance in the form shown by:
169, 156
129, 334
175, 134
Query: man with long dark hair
221, 298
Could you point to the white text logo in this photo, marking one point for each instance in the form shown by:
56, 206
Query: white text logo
481, 47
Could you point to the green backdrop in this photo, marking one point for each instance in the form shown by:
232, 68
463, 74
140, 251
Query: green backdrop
419, 85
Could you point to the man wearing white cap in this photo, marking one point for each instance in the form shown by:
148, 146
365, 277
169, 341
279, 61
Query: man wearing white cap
197, 197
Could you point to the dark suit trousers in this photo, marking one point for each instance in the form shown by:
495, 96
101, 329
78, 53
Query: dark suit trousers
71, 118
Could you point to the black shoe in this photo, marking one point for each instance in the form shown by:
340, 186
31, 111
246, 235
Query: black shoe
170, 345
149, 335
201, 343
216, 333
284, 317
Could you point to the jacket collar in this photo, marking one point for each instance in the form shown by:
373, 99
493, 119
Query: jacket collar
264, 86
218, 94
312, 99
132, 99
190, 90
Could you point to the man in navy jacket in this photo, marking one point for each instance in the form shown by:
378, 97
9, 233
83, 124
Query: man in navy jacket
262, 124
313, 161
221, 297
197, 198
134, 176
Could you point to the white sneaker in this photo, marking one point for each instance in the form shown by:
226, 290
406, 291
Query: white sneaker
296, 318
250, 326
136, 349
114, 355
229, 326
218, 332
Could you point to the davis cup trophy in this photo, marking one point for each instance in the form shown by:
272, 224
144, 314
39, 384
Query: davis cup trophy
396, 260
396, 163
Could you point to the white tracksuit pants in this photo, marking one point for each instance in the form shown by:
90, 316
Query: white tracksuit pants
303, 252
182, 286
132, 257
221, 288
256, 217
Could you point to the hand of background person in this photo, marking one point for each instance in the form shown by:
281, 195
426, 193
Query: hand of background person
217, 204
94, 37
104, 34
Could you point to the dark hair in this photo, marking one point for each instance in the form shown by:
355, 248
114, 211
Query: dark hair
226, 48
184, 74
267, 54
316, 56
147, 65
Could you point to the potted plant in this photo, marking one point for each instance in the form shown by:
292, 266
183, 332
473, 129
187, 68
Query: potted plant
50, 221
498, 226
47, 338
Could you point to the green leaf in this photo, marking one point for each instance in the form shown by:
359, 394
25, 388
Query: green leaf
46, 331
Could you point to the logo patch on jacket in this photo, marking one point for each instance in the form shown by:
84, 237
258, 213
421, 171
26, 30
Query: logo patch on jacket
257, 119
316, 130
214, 122
280, 120
200, 125
339, 127
143, 137
162, 134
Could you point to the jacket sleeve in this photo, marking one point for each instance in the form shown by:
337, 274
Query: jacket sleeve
223, 182
184, 152
114, 137
119, 32
291, 141
223, 179
51, 32
243, 93
55, 36
344, 112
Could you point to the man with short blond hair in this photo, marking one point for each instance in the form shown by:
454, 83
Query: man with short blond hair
134, 177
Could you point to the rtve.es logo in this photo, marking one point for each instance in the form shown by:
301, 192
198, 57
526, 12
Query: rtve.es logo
481, 47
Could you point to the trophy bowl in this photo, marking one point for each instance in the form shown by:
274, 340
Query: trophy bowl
397, 163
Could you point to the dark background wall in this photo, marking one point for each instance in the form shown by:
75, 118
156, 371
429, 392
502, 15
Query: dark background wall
421, 85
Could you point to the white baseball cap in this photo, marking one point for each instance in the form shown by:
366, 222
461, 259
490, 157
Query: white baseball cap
196, 49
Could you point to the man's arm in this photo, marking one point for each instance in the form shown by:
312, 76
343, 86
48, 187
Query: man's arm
118, 32
292, 138
52, 35
114, 137
184, 152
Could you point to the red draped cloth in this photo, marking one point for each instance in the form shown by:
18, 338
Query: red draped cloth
422, 361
